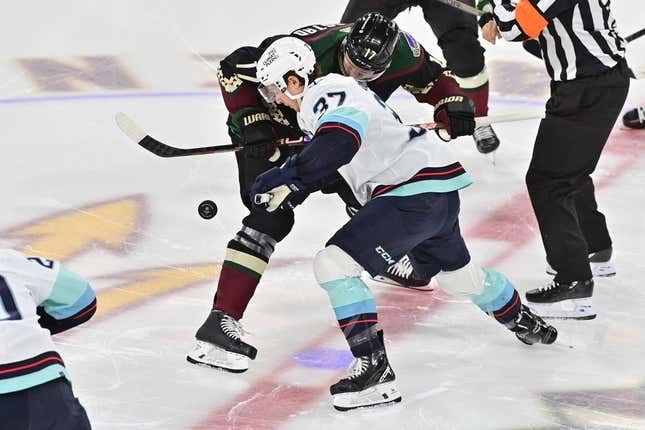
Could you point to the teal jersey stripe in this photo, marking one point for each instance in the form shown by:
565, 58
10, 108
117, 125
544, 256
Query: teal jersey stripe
23, 382
354, 118
348, 291
363, 307
431, 186
70, 294
498, 291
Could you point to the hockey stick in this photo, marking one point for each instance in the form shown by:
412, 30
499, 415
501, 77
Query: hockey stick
143, 139
149, 143
462, 7
635, 36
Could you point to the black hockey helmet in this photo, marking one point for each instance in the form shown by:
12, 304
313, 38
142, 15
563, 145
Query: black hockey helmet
371, 43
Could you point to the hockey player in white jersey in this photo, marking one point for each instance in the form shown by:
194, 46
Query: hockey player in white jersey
408, 182
38, 297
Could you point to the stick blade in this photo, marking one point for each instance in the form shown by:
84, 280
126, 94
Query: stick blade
129, 127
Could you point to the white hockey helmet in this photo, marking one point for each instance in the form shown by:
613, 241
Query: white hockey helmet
288, 54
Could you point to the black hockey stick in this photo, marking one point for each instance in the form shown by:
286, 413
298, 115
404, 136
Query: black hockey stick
137, 135
635, 36
143, 139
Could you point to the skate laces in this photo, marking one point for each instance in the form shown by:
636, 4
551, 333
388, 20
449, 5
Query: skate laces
484, 132
529, 322
359, 366
231, 327
548, 287
402, 268
641, 113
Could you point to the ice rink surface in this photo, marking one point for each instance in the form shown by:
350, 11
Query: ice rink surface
74, 188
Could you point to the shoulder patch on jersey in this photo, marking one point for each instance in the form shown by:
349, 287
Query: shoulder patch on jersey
413, 44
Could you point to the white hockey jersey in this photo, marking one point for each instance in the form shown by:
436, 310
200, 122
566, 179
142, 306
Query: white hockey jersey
27, 353
394, 159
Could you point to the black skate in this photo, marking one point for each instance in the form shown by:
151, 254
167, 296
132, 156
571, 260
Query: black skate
402, 274
600, 263
532, 329
486, 139
635, 118
560, 300
370, 383
219, 344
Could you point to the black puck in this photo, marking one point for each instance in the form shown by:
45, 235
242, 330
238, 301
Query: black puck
207, 209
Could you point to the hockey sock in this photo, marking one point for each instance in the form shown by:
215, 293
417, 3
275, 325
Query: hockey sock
355, 309
499, 298
246, 258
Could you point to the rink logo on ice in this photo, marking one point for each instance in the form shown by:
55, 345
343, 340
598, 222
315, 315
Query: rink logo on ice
384, 254
610, 408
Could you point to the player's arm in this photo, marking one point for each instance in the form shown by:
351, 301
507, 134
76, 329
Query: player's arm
64, 298
414, 69
525, 19
249, 124
336, 140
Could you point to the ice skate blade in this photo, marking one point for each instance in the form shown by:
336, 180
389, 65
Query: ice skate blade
207, 354
386, 280
578, 309
377, 395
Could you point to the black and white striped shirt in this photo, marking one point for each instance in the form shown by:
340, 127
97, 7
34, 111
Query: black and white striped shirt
578, 38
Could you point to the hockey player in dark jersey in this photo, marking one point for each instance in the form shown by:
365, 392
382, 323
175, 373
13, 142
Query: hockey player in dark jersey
456, 34
373, 51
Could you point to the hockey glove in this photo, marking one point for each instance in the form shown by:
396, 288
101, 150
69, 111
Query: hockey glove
532, 46
278, 188
252, 130
457, 114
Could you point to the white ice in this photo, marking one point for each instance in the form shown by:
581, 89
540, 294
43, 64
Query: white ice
62, 159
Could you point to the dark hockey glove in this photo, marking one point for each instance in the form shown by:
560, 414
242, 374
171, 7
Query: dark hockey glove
532, 46
252, 130
278, 188
457, 114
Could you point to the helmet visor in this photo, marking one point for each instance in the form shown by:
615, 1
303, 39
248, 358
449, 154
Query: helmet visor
360, 74
269, 92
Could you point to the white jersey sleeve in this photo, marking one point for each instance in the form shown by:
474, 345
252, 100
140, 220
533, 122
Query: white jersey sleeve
28, 356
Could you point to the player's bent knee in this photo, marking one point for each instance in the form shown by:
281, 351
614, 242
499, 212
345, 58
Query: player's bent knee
333, 263
467, 281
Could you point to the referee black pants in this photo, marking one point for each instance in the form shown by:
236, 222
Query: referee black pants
579, 117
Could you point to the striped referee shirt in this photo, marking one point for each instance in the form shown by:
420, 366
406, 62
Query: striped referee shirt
578, 38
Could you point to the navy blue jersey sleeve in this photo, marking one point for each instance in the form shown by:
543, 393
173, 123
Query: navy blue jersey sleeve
333, 146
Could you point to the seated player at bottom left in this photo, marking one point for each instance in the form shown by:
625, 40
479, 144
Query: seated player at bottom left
407, 181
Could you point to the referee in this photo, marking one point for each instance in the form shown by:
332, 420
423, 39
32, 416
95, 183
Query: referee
585, 57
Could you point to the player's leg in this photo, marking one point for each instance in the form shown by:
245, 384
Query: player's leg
490, 290
219, 342
457, 34
380, 233
402, 273
568, 145
51, 406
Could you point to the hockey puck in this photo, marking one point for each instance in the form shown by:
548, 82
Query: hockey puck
207, 209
